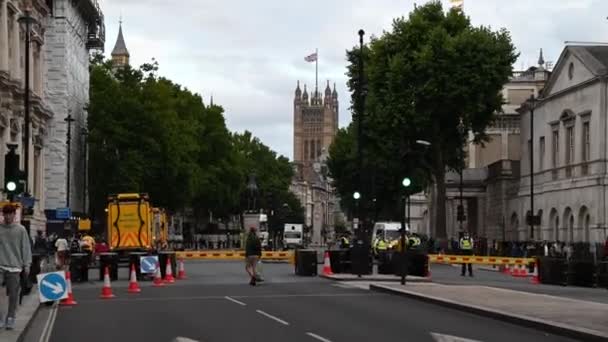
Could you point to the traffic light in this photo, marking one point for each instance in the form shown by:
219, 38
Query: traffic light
12, 175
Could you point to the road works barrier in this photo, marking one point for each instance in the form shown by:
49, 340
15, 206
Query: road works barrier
233, 255
479, 260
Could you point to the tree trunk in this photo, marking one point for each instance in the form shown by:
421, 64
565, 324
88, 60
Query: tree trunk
440, 195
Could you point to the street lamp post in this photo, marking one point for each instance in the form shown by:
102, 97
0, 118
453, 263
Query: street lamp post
69, 121
28, 21
85, 135
460, 210
532, 217
405, 221
360, 209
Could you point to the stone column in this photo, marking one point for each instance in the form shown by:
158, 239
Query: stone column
504, 145
4, 36
16, 57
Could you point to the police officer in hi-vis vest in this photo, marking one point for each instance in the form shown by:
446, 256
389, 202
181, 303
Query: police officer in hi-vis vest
466, 248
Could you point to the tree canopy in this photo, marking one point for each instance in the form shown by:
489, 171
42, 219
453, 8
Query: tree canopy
149, 134
420, 78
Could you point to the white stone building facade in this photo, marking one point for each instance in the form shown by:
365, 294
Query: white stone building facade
570, 150
73, 30
12, 91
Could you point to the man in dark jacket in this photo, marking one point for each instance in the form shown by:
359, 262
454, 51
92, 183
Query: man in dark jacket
253, 251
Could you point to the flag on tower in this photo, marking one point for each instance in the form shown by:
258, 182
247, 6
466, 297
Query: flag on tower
311, 58
457, 4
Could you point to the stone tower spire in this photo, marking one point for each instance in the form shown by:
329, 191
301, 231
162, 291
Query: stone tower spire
120, 54
298, 91
541, 60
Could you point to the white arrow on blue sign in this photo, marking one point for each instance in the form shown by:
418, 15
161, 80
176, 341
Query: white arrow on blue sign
52, 286
148, 263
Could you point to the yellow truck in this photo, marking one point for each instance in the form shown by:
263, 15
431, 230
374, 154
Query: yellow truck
129, 223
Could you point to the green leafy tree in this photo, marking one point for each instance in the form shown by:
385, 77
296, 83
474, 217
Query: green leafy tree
421, 77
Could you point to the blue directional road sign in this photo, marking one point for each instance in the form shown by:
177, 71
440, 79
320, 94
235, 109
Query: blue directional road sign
63, 213
52, 286
148, 263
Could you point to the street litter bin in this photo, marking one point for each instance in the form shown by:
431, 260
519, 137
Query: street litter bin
306, 262
109, 260
417, 263
162, 261
339, 260
361, 258
134, 260
400, 263
79, 267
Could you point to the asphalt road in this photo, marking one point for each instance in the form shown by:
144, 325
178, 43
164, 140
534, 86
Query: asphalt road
217, 304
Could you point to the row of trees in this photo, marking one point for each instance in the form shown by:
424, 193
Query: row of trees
149, 134
419, 80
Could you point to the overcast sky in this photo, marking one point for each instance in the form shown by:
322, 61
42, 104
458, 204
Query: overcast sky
249, 54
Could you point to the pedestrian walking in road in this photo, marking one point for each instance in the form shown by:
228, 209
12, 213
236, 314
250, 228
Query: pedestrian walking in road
15, 258
62, 253
466, 248
253, 251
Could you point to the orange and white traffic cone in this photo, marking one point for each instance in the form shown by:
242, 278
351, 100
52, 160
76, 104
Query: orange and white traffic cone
182, 271
169, 273
70, 300
506, 270
133, 286
327, 265
158, 280
535, 279
106, 290
523, 271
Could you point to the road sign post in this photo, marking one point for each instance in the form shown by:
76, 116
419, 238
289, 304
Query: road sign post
148, 263
52, 286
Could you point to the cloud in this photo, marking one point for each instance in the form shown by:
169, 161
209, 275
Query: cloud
249, 54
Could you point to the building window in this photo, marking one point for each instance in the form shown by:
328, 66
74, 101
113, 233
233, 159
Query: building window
569, 145
305, 149
569, 150
555, 152
541, 157
586, 143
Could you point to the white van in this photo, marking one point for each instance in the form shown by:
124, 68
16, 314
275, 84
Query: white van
389, 230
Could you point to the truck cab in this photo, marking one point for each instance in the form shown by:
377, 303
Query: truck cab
293, 235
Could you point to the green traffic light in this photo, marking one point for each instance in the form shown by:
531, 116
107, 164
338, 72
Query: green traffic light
356, 195
406, 182
11, 186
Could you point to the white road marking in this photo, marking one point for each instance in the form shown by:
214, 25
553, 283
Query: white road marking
320, 338
235, 301
48, 326
450, 338
183, 339
164, 299
272, 317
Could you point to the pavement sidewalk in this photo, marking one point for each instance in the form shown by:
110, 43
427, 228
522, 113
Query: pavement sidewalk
374, 277
580, 319
25, 313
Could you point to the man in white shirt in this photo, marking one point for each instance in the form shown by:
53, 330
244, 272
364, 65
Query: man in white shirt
15, 257
62, 252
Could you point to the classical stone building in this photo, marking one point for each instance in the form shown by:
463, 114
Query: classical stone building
315, 126
72, 31
569, 151
12, 91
